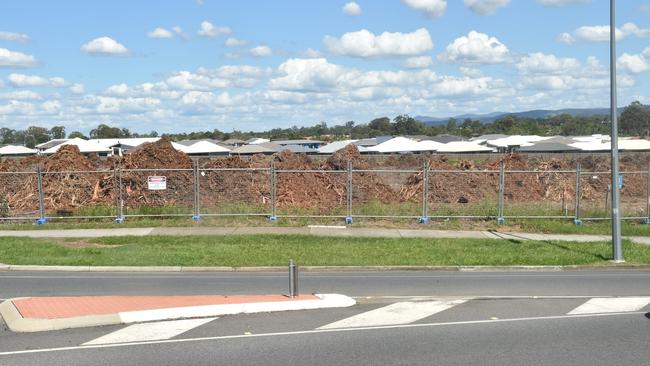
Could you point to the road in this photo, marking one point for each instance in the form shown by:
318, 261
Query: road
409, 318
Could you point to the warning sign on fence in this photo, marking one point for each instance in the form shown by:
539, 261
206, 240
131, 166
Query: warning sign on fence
157, 183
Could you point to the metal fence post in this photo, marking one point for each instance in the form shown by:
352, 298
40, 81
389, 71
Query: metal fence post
119, 196
42, 220
576, 218
348, 218
197, 194
424, 219
273, 189
647, 199
502, 187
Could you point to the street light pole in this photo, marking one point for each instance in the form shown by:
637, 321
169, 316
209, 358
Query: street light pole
616, 196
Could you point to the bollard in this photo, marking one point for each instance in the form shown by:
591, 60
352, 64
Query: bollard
293, 279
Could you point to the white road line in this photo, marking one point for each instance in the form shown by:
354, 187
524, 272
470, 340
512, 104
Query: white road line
611, 305
317, 331
149, 331
397, 313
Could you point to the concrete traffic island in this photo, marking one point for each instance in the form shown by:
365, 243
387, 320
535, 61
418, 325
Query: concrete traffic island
35, 314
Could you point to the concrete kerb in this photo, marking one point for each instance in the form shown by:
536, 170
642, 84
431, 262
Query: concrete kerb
17, 323
316, 269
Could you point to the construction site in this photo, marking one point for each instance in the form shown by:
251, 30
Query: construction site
69, 184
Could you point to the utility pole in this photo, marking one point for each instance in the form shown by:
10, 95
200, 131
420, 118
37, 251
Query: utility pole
617, 249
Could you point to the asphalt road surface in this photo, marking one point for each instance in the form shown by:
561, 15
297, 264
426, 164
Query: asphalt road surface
403, 318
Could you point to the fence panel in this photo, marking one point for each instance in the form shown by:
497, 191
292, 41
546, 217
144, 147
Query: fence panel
595, 195
78, 194
633, 194
18, 195
463, 193
385, 193
141, 199
236, 192
540, 194
309, 193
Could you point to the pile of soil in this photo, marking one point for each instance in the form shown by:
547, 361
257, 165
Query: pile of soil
154, 155
66, 188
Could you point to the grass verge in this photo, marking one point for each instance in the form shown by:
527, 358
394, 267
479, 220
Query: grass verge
276, 250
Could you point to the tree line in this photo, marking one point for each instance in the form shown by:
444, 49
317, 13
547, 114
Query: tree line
634, 121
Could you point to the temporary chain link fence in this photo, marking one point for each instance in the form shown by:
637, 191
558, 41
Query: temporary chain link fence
420, 193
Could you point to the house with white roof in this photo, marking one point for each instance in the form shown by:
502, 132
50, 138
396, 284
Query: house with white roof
16, 151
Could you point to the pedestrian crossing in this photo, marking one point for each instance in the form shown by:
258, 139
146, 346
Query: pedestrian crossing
394, 314
408, 311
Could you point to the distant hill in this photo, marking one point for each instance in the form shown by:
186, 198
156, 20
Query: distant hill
538, 113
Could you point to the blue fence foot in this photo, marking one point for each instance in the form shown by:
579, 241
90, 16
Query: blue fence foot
424, 220
41, 221
577, 221
196, 218
273, 218
120, 220
501, 220
348, 220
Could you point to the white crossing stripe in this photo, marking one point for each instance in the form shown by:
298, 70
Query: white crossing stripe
149, 331
611, 305
394, 314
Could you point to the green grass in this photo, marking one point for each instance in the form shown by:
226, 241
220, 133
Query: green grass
485, 209
276, 250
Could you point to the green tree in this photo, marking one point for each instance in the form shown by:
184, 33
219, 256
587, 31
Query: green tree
57, 132
635, 120
77, 134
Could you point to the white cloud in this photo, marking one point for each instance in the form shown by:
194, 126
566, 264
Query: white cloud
311, 53
306, 74
16, 59
21, 95
633, 29
160, 33
562, 2
600, 33
539, 63
14, 37
365, 44
22, 81
210, 31
486, 7
235, 42
431, 8
471, 72
566, 38
634, 64
261, 51
645, 8
51, 106
352, 8
646, 53
419, 62
105, 46
476, 48
15, 107
77, 88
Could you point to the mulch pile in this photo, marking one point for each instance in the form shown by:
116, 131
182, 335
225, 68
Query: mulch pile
320, 191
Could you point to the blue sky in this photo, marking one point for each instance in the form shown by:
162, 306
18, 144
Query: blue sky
184, 65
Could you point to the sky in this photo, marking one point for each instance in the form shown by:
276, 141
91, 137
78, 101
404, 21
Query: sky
190, 65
